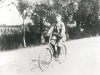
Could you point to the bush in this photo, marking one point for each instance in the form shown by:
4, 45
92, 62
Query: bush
11, 41
14, 39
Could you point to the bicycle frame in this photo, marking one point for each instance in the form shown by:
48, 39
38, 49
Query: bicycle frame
49, 44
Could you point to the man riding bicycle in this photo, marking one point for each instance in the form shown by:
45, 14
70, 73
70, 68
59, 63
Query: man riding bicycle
58, 35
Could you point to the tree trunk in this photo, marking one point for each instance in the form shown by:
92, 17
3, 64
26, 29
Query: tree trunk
41, 33
24, 41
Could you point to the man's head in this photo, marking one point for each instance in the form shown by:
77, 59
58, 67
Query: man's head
58, 17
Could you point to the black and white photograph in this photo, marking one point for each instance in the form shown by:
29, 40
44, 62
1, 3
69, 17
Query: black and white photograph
49, 37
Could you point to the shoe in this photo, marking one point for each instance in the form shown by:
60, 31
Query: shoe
56, 57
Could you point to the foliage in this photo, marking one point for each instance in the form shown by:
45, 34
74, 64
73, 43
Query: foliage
87, 16
14, 40
11, 41
21, 6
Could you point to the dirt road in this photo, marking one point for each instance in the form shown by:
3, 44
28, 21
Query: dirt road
83, 58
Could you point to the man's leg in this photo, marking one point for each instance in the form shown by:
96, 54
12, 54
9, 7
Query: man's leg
53, 46
58, 50
59, 46
53, 42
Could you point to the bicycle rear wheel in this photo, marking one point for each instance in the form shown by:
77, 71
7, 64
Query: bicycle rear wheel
45, 59
63, 53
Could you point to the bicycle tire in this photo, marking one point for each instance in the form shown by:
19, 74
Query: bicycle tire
45, 59
63, 54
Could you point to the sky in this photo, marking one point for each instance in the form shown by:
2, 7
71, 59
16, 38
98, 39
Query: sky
10, 16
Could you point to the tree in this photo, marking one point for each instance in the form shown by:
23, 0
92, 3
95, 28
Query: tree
5, 3
22, 6
87, 15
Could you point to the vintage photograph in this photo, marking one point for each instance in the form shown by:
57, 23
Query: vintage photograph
49, 37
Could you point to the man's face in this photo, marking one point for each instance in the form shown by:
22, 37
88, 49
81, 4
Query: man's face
58, 18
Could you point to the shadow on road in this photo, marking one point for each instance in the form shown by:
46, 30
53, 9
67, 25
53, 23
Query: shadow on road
35, 67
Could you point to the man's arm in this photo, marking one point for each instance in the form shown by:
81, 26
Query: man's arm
63, 30
50, 31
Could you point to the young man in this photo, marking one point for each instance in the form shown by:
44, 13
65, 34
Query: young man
58, 35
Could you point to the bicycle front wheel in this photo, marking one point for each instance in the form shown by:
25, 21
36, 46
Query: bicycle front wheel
45, 59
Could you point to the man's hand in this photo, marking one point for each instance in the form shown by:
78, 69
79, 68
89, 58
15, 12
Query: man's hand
58, 35
47, 34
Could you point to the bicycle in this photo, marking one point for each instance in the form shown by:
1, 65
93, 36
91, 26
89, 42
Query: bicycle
46, 56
